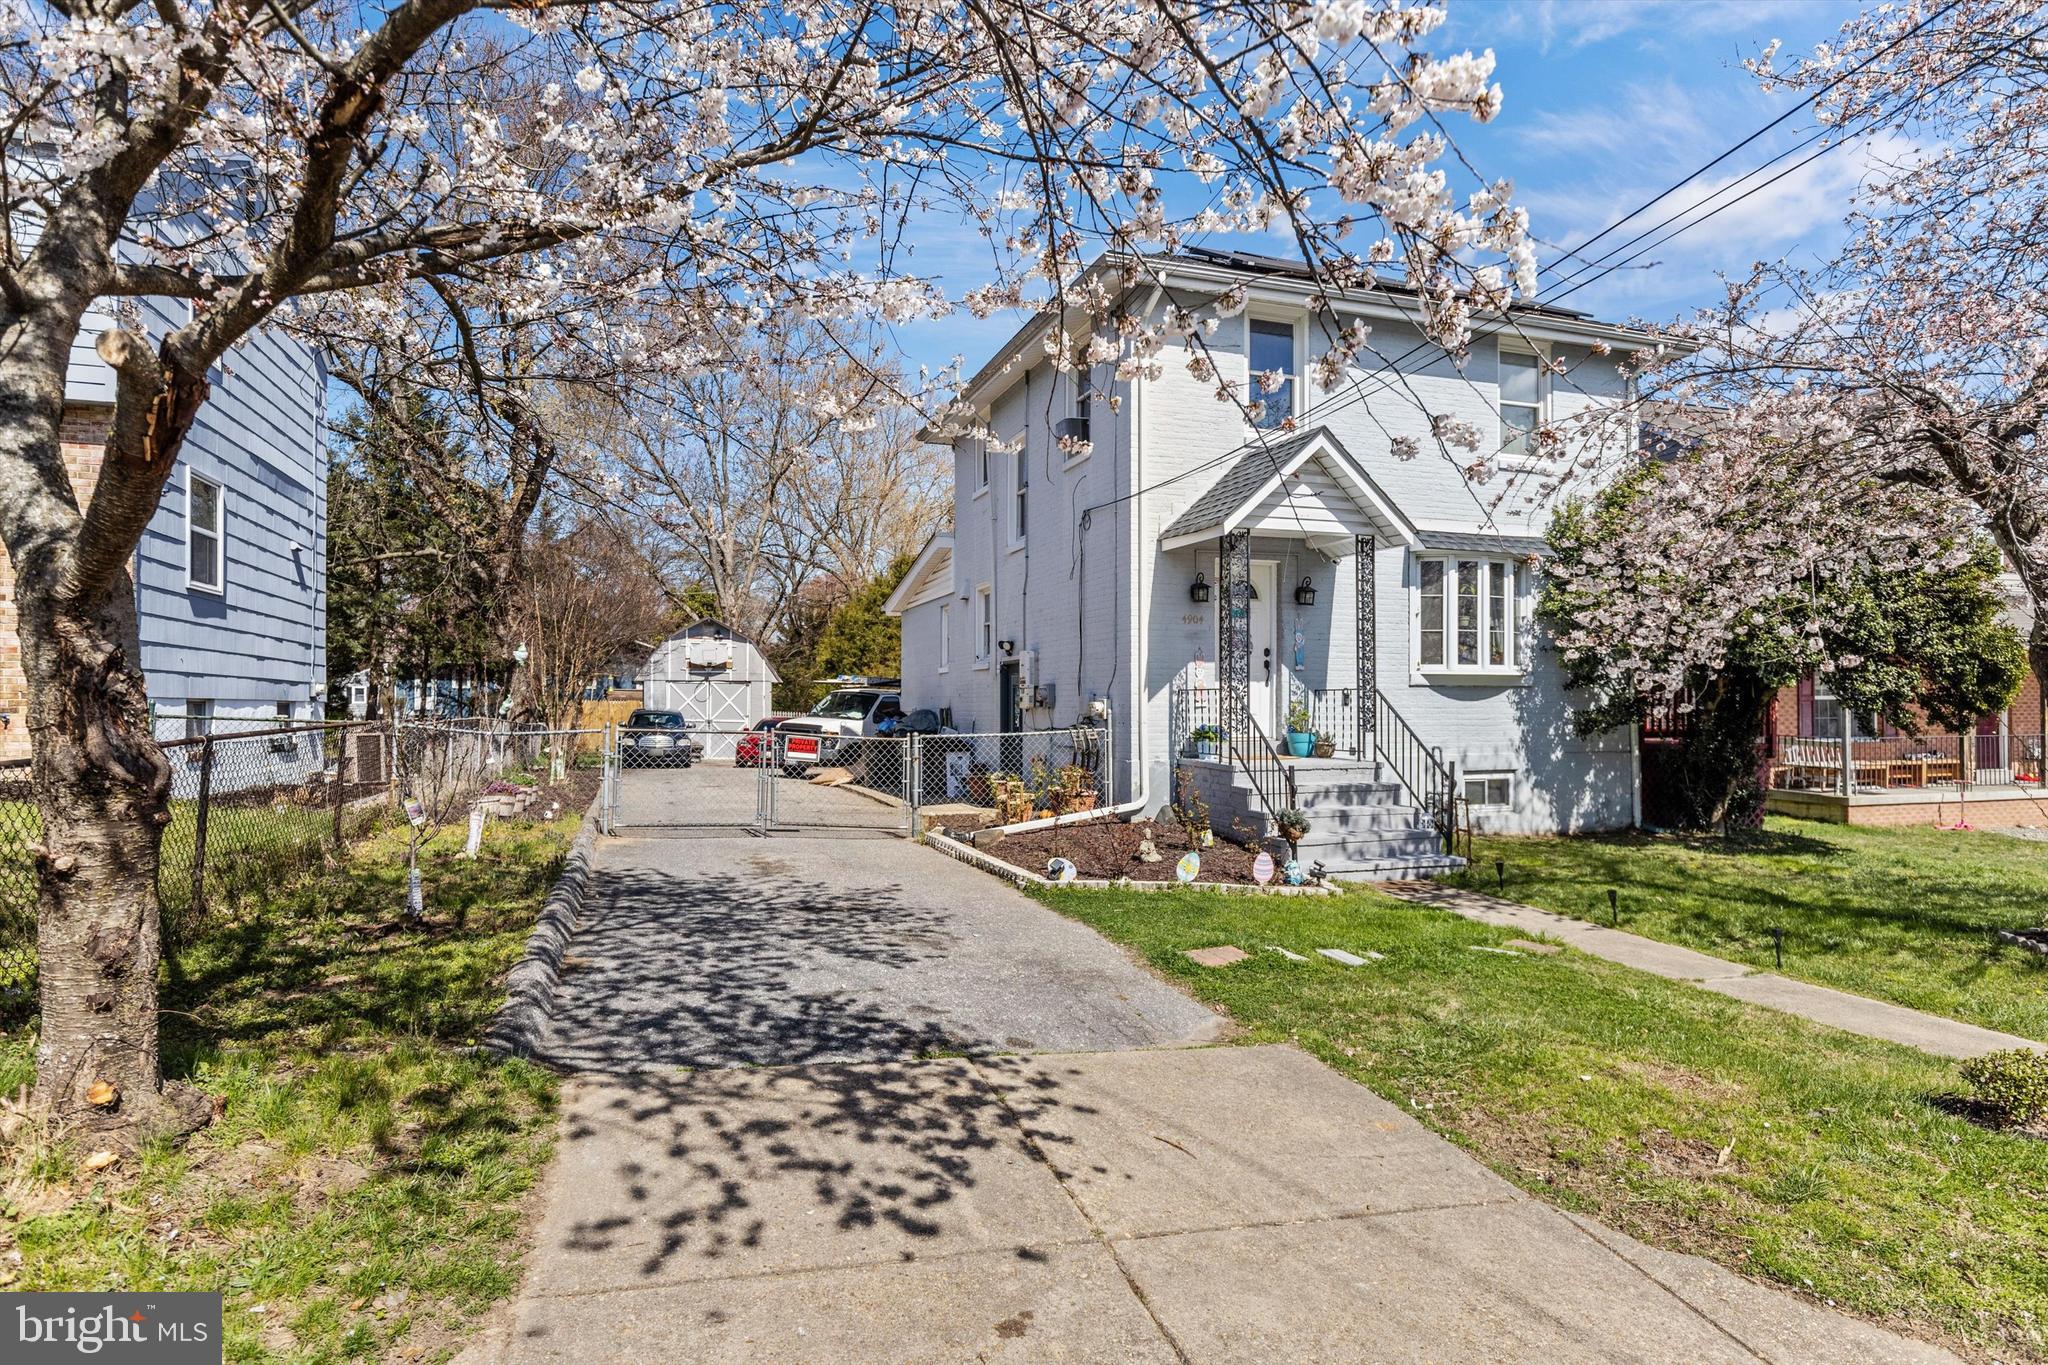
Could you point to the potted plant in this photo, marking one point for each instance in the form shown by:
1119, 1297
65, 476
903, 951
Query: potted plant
1301, 740
1207, 739
1326, 745
1293, 828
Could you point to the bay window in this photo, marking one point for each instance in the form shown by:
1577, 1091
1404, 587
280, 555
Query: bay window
1468, 614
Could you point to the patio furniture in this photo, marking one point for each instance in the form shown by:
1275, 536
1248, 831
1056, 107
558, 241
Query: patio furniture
1807, 763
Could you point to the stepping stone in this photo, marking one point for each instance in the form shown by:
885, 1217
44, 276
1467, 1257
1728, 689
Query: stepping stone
1216, 957
1290, 956
1531, 946
1339, 955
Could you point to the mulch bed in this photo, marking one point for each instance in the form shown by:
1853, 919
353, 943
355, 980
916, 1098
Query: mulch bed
1108, 849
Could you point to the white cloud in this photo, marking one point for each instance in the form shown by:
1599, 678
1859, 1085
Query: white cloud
1575, 24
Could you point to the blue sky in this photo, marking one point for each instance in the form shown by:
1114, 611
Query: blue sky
1608, 102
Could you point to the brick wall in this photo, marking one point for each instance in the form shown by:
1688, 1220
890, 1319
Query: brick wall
84, 436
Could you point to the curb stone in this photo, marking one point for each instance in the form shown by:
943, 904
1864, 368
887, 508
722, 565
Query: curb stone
531, 984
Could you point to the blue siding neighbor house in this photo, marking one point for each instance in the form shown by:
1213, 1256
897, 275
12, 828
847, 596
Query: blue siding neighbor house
231, 574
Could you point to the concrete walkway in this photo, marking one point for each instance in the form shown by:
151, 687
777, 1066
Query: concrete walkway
1822, 1004
1138, 1203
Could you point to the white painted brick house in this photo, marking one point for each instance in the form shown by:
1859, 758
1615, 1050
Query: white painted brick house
1070, 585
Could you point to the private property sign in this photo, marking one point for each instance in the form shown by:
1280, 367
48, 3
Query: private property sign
117, 1329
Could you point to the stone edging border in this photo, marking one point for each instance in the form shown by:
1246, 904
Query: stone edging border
1010, 872
530, 986
2033, 944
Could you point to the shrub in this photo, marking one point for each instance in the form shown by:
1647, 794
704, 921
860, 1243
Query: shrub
2014, 1084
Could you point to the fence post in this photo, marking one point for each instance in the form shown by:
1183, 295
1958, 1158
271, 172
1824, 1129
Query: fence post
340, 785
199, 825
1848, 761
916, 777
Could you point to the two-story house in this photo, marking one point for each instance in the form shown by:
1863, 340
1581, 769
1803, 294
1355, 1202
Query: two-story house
1192, 575
230, 576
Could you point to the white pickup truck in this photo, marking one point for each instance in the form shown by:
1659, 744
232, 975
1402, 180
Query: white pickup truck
846, 713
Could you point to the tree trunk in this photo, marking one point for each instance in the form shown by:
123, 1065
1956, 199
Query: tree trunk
102, 784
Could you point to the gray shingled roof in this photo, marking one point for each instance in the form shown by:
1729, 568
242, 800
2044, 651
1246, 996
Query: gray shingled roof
1241, 482
1481, 542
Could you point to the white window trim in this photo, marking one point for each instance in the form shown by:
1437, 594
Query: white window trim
1515, 346
1293, 321
1489, 775
1085, 376
984, 467
1516, 670
219, 586
984, 611
1020, 496
945, 636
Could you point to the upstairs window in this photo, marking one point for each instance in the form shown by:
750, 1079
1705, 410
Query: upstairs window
984, 623
205, 549
1020, 496
1468, 614
945, 636
1273, 371
980, 463
1521, 402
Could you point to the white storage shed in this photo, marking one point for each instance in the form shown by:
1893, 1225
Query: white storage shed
716, 677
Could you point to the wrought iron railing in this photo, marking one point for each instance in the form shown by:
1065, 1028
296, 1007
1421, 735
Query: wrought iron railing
1432, 783
1335, 712
1199, 718
1259, 761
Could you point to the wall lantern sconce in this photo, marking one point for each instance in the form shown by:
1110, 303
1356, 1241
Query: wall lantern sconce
1198, 591
1305, 595
1008, 647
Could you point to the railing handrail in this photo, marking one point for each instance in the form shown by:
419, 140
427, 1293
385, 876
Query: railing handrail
1431, 782
1266, 757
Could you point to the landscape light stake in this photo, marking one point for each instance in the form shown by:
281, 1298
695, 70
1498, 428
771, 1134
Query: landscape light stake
1778, 946
1500, 873
1613, 907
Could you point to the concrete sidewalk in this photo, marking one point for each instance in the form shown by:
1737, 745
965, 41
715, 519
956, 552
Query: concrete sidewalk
1822, 1004
1201, 1204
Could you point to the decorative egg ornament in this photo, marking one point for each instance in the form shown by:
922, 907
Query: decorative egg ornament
1187, 867
1062, 870
1262, 868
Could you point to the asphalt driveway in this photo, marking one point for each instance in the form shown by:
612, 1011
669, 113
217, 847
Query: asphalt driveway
849, 1101
729, 950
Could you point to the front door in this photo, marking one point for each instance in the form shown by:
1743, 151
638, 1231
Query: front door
1010, 715
1266, 675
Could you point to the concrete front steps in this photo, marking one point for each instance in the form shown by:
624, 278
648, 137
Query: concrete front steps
1360, 821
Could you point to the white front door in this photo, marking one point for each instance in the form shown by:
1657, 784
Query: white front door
1266, 675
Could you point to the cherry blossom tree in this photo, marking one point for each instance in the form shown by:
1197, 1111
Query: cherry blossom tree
1874, 412
257, 159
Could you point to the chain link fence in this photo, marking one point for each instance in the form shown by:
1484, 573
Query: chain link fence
252, 806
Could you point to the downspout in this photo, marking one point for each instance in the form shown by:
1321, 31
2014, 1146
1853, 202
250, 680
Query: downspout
1143, 634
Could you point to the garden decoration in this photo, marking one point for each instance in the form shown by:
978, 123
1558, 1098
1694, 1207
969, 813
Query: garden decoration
1262, 868
1190, 863
1062, 870
1292, 873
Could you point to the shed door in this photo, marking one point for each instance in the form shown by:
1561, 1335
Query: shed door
719, 710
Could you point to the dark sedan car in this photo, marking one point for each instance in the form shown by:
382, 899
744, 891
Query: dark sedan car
657, 739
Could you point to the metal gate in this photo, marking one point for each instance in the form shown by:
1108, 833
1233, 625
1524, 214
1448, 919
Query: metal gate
659, 782
830, 782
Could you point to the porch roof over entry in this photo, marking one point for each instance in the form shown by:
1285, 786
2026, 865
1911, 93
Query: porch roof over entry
1306, 485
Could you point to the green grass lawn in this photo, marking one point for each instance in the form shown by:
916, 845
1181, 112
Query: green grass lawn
1795, 1154
1904, 915
359, 1195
